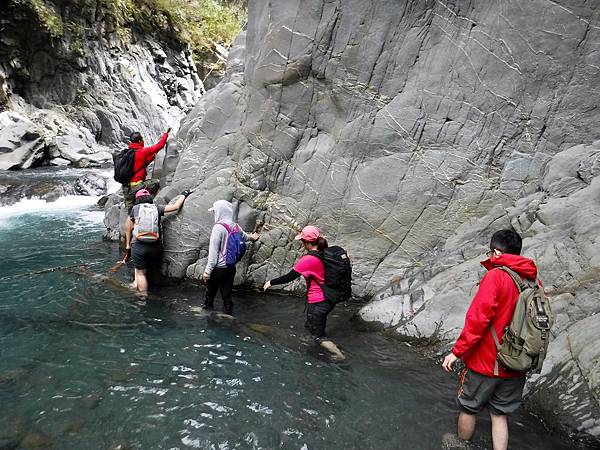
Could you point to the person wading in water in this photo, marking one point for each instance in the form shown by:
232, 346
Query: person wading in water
142, 235
311, 267
486, 382
227, 246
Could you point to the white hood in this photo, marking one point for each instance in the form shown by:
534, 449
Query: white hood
223, 211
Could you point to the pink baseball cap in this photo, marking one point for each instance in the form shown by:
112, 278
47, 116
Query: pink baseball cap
309, 233
142, 193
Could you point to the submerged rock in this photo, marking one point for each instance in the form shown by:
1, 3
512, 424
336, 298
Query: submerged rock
12, 430
36, 440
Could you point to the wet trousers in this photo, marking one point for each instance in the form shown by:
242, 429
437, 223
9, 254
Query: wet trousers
221, 279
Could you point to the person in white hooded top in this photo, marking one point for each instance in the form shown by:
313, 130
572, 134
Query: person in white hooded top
216, 274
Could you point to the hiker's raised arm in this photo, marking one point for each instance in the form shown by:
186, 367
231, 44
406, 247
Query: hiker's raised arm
148, 153
178, 203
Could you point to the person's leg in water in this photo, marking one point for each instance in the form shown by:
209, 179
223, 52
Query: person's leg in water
142, 256
499, 431
226, 285
212, 287
317, 321
141, 283
466, 425
506, 399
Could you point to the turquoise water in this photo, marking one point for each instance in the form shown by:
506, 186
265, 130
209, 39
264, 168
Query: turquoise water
86, 366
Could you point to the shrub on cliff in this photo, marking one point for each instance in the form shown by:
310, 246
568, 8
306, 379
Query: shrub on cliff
203, 24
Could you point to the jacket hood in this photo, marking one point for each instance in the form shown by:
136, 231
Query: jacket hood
223, 211
525, 267
136, 145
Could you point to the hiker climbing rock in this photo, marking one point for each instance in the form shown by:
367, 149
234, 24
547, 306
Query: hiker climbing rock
131, 164
327, 271
226, 248
489, 380
143, 234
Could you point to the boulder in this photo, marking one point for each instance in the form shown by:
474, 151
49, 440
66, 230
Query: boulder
21, 142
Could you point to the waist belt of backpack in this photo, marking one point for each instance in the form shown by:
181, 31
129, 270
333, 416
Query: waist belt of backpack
135, 183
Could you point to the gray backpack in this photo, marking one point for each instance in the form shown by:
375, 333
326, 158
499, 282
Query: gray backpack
525, 339
146, 223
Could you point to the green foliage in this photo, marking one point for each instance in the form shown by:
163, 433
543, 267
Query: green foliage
50, 21
201, 23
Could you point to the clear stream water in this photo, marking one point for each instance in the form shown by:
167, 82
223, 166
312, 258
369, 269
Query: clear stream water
85, 366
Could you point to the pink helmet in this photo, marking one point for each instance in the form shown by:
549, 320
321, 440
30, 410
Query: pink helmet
142, 193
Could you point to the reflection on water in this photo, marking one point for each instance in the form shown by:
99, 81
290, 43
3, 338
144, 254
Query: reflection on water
85, 366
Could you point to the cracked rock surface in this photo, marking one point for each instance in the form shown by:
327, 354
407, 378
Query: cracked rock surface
409, 132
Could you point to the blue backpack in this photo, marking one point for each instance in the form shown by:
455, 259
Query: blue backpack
235, 245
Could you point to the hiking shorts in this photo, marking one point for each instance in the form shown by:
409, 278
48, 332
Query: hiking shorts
316, 319
500, 395
144, 254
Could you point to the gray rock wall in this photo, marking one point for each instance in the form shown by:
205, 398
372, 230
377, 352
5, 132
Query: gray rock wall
409, 132
71, 99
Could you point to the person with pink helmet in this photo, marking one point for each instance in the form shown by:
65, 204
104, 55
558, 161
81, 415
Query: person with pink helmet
143, 233
311, 267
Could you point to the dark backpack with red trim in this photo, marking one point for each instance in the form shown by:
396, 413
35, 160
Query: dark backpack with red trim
124, 162
337, 287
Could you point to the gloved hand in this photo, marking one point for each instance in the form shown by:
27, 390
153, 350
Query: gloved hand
186, 193
168, 130
127, 256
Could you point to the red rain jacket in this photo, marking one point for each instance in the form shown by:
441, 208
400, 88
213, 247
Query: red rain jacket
144, 156
494, 303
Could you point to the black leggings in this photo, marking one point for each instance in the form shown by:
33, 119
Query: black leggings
220, 278
316, 318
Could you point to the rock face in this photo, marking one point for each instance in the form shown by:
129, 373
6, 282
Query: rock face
410, 132
74, 98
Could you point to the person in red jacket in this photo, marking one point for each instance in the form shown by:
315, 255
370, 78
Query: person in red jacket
143, 157
484, 382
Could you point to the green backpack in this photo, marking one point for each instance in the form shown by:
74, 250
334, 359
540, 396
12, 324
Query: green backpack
525, 339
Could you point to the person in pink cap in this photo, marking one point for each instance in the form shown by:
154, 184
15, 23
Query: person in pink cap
312, 269
142, 235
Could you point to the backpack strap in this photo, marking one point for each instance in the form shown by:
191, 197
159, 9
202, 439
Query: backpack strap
498, 346
520, 287
229, 231
227, 227
515, 277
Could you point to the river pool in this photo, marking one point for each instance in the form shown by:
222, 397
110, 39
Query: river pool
86, 366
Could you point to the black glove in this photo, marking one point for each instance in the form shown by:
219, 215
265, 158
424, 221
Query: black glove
168, 130
186, 193
127, 256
